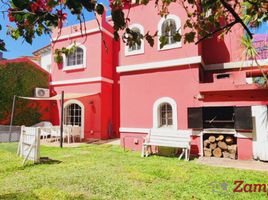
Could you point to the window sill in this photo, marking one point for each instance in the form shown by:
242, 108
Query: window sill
170, 46
132, 53
166, 127
74, 67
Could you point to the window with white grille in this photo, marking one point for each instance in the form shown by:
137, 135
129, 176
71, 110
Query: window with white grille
135, 48
165, 115
72, 115
169, 30
75, 58
169, 26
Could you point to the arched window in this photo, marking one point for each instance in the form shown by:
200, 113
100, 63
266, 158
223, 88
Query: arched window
73, 115
168, 27
76, 58
165, 115
135, 48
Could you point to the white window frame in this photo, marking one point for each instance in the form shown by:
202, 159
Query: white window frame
139, 51
70, 114
73, 67
178, 26
156, 113
74, 101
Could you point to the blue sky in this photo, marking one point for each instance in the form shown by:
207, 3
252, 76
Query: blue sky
18, 48
263, 29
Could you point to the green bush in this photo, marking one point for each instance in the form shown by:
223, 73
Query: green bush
20, 79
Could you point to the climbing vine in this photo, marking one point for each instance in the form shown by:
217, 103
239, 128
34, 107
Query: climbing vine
20, 79
58, 55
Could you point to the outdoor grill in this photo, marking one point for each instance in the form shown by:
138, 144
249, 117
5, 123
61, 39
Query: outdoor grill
218, 127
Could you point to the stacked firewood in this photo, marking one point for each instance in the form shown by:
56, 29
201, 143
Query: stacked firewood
220, 146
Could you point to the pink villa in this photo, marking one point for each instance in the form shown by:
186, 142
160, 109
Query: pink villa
205, 89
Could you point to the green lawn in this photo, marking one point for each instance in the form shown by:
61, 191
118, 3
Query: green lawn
107, 172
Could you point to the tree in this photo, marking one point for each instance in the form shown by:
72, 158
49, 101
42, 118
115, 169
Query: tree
205, 17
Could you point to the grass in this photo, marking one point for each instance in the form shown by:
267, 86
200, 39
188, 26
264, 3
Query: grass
107, 172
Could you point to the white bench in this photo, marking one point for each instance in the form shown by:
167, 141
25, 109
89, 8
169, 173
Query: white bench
168, 138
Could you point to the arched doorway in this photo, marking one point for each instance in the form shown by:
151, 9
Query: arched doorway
74, 114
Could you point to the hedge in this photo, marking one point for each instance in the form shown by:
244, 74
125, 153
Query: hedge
20, 78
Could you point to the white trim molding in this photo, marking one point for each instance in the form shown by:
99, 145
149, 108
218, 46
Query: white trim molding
82, 80
156, 113
78, 33
148, 130
233, 65
244, 135
73, 67
159, 28
138, 51
160, 64
134, 130
74, 101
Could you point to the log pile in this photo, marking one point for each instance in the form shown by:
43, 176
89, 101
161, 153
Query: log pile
220, 146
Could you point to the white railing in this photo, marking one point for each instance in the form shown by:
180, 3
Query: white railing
9, 134
29, 144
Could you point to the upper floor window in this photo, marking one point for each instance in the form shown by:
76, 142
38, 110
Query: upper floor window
169, 30
168, 27
165, 115
135, 48
76, 60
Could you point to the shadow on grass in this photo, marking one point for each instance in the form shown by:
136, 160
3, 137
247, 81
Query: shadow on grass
41, 195
49, 161
43, 161
18, 196
100, 142
171, 153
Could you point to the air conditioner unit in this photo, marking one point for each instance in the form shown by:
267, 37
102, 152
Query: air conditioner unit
41, 92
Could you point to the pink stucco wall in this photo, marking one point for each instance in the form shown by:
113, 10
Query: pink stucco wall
99, 112
212, 50
93, 59
244, 148
139, 91
99, 50
148, 17
128, 101
132, 141
228, 49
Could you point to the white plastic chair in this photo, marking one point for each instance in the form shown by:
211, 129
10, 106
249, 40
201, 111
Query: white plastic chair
67, 130
45, 132
55, 132
76, 130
